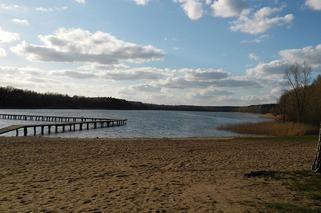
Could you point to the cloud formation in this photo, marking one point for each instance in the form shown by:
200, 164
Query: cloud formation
275, 69
247, 20
311, 55
141, 2
134, 74
260, 21
269, 70
21, 21
254, 57
228, 8
81, 1
314, 4
192, 8
3, 53
8, 37
10, 7
78, 45
51, 9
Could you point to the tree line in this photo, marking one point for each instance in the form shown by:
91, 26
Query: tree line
13, 98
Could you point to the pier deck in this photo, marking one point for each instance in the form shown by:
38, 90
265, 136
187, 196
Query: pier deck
48, 118
61, 125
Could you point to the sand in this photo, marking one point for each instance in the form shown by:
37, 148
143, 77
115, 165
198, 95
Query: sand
144, 175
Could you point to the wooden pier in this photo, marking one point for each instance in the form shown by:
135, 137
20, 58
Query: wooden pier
48, 118
60, 125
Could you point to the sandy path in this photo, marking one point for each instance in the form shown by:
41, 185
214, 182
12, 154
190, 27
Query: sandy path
183, 175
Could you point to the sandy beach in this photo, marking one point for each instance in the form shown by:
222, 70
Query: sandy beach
146, 175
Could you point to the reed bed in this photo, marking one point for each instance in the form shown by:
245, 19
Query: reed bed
272, 128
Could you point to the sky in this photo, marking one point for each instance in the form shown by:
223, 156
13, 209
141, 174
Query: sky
196, 52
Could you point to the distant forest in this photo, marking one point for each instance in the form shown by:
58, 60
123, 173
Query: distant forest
12, 98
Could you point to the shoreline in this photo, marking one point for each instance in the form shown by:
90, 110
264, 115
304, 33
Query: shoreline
244, 137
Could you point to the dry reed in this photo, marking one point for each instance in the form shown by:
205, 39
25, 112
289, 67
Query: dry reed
272, 128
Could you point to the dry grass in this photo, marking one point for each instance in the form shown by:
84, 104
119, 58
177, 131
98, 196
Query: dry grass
272, 128
270, 116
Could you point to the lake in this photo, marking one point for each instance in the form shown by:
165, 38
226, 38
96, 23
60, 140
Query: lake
150, 124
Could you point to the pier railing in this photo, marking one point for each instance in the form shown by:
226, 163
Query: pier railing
48, 118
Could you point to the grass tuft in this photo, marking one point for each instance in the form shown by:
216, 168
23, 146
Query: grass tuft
304, 183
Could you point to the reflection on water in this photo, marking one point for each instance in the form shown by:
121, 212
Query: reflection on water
151, 124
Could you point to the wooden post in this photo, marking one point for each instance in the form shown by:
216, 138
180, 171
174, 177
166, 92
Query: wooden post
42, 130
34, 131
17, 132
317, 162
25, 131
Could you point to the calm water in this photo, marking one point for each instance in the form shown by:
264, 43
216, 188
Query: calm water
152, 124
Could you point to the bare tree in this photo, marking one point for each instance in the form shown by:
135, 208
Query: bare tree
299, 77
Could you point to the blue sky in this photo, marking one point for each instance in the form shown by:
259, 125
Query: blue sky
202, 52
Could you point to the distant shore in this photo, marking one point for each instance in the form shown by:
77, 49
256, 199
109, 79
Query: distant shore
13, 98
134, 175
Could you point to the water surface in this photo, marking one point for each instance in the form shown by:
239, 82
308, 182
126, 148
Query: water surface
151, 124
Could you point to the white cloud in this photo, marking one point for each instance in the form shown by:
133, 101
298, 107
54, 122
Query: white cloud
262, 20
51, 9
81, 1
8, 37
10, 7
254, 57
228, 8
181, 79
75, 74
102, 67
192, 8
205, 74
3, 53
310, 55
203, 78
269, 70
134, 74
78, 45
209, 92
314, 4
141, 2
274, 70
144, 88
21, 21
